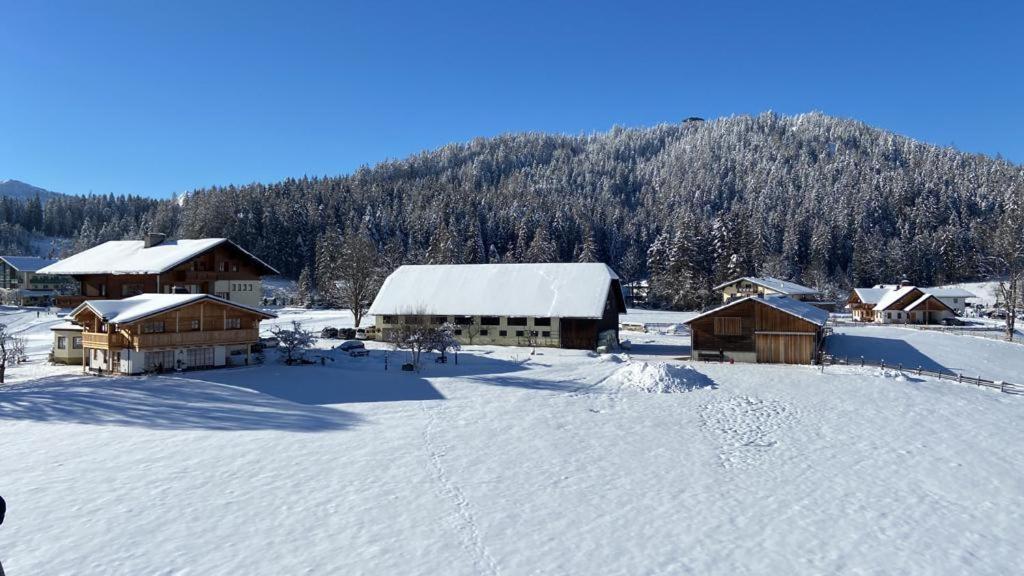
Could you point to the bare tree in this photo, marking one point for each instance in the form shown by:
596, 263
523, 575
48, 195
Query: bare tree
1006, 263
295, 342
444, 338
12, 350
358, 273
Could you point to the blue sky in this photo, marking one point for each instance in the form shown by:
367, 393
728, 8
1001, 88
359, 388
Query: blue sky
154, 98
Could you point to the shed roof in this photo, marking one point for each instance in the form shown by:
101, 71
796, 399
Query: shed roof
562, 290
27, 263
132, 257
871, 295
144, 305
797, 308
780, 286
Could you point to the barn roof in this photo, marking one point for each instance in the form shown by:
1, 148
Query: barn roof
801, 310
144, 305
132, 257
27, 263
567, 290
781, 286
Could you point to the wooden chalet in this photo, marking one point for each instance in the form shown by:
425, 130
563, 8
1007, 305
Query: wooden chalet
898, 305
157, 332
765, 286
568, 305
124, 268
763, 329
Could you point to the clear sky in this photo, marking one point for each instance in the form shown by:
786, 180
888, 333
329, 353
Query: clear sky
154, 98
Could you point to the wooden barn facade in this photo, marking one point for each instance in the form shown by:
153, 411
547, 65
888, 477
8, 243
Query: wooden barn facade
763, 329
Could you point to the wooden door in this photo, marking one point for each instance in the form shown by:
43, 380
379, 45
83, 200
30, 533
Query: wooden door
785, 348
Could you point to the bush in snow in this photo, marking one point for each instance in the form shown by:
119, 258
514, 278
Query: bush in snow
12, 350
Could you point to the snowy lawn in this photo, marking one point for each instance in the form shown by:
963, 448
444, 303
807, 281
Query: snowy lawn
508, 463
970, 355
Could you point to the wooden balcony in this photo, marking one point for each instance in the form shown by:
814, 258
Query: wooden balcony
72, 301
102, 341
197, 338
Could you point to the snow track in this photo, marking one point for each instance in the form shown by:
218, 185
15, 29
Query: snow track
464, 522
746, 428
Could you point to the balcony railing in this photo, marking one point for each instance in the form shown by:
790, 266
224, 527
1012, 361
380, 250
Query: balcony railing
169, 339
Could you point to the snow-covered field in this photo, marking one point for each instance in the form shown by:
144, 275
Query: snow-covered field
558, 463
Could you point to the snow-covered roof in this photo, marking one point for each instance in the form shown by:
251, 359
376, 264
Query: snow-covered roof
924, 298
871, 295
780, 286
132, 257
801, 310
953, 292
890, 297
66, 326
568, 290
143, 305
27, 263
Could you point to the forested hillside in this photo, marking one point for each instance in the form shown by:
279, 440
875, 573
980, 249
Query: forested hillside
826, 201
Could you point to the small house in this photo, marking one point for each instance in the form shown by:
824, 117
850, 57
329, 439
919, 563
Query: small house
900, 304
566, 305
765, 286
67, 344
124, 268
157, 332
763, 329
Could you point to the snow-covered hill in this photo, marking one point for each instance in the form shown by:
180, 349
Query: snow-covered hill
505, 463
23, 191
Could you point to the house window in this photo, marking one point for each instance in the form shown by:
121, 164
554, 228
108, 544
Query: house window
131, 289
519, 333
483, 333
62, 342
234, 267
194, 325
516, 321
76, 342
409, 319
490, 320
463, 320
728, 326
502, 332
542, 321
388, 319
458, 331
224, 266
546, 334
232, 323
153, 327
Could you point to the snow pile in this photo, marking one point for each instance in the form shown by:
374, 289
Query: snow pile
891, 373
659, 377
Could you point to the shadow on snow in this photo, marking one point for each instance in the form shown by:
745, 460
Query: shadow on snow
162, 403
892, 350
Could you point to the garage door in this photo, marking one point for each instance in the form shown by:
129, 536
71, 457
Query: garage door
785, 348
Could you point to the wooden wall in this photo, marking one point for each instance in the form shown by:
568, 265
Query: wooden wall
794, 343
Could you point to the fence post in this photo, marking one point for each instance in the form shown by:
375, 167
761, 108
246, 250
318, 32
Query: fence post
862, 361
959, 378
900, 368
918, 369
883, 363
1002, 386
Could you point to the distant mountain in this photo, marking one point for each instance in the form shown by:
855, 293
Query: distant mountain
23, 191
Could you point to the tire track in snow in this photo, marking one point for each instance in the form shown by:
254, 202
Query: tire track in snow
465, 524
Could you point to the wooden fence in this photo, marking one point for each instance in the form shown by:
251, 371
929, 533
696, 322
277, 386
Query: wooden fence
1002, 386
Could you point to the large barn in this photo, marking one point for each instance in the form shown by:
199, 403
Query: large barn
764, 329
567, 305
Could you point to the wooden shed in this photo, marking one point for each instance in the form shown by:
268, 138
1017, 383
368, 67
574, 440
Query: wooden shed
764, 329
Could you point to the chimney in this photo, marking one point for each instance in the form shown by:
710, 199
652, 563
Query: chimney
153, 238
904, 282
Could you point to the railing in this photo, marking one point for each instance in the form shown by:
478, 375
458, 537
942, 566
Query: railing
1002, 386
103, 341
195, 338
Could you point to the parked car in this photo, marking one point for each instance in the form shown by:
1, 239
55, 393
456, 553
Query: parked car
350, 345
368, 333
346, 333
329, 332
952, 322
